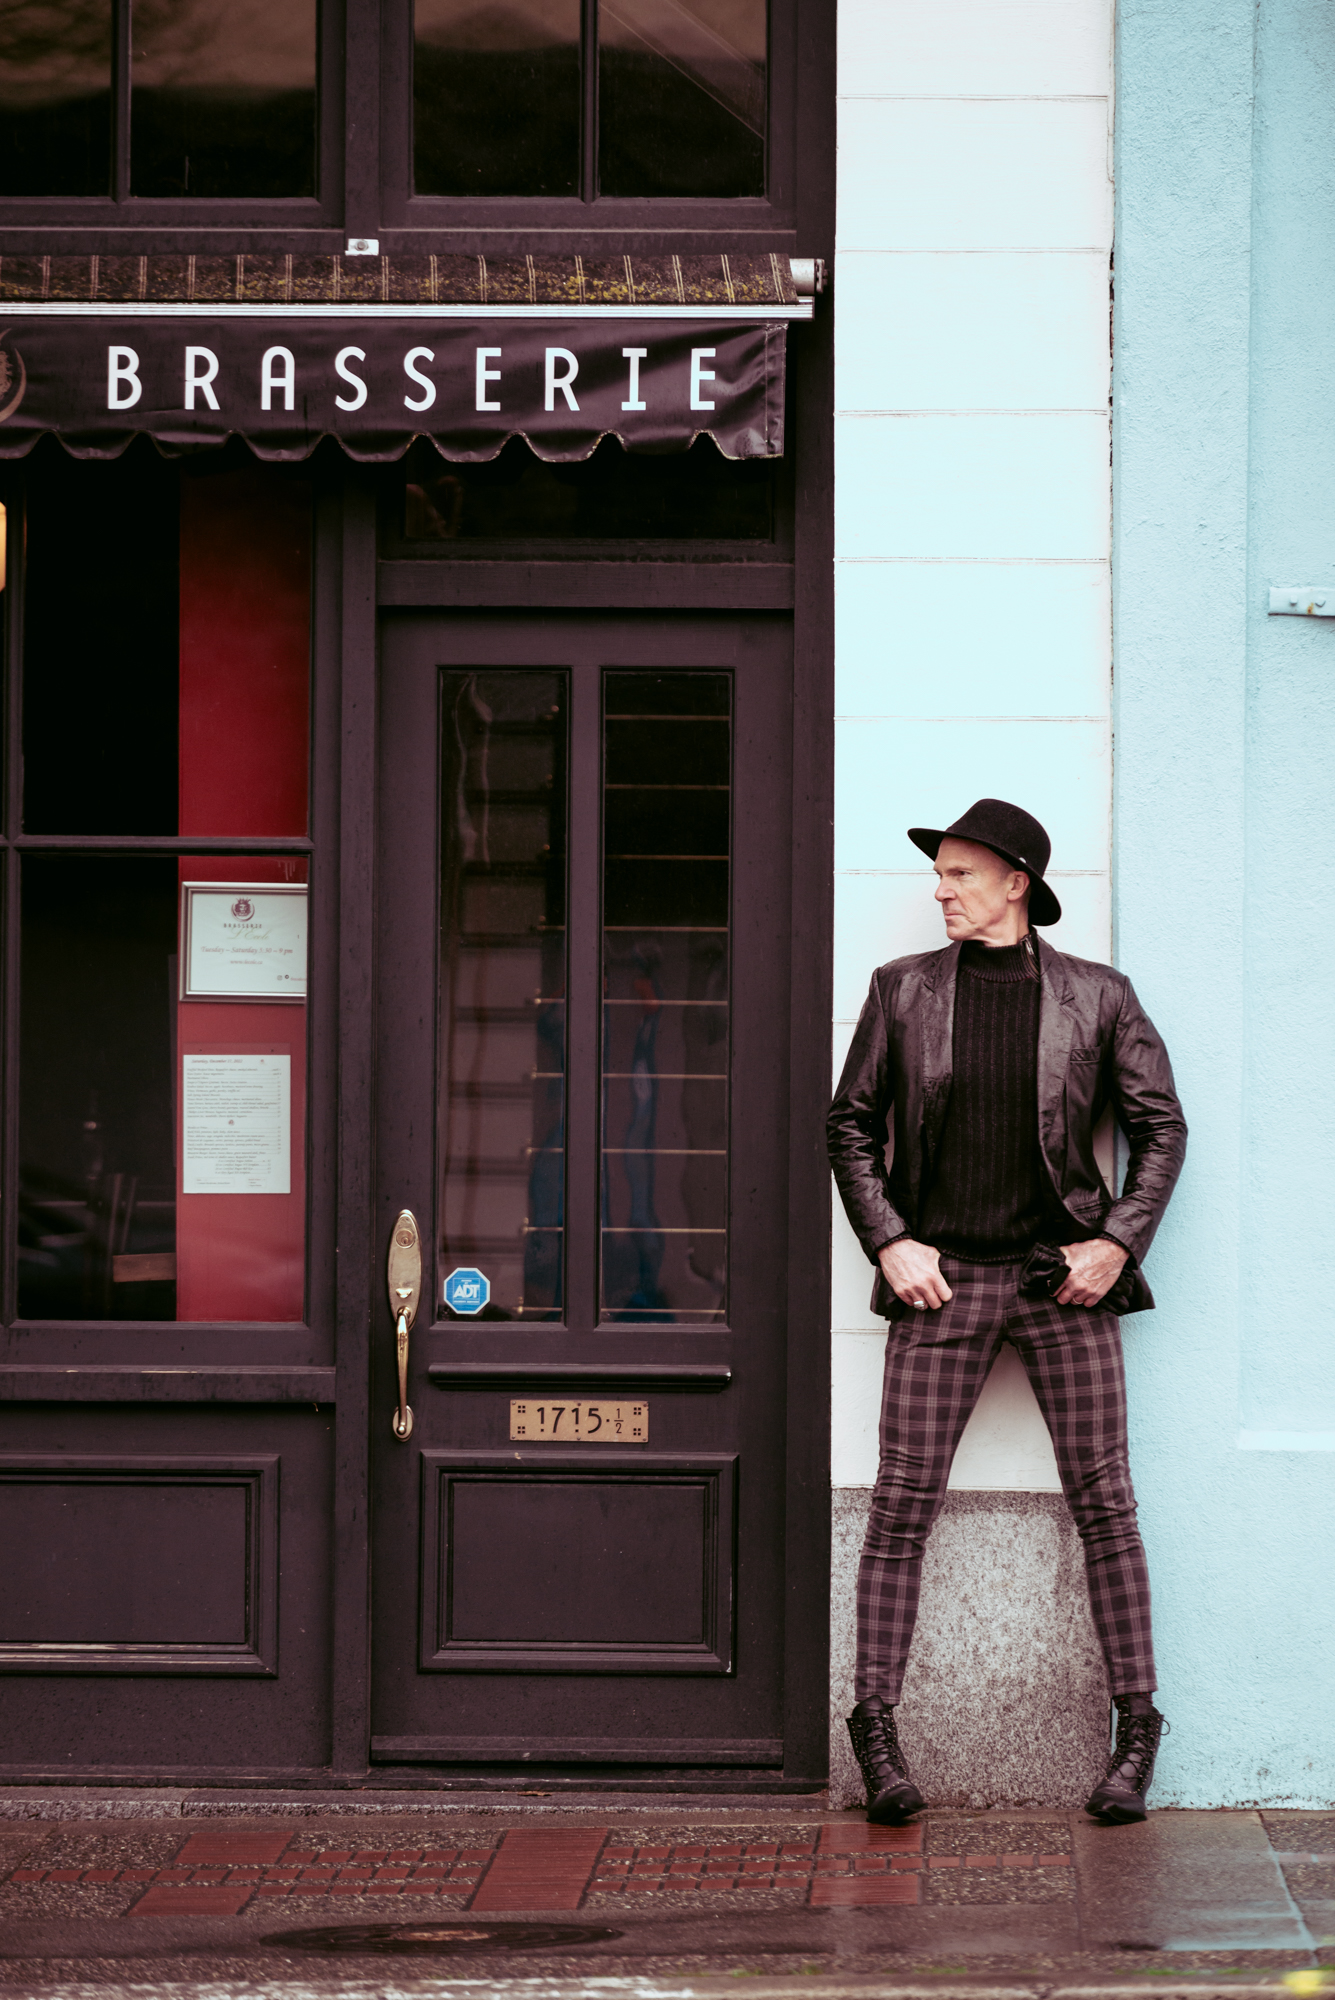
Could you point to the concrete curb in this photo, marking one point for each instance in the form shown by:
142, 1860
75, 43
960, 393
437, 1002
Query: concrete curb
407, 1984
713, 1986
58, 1802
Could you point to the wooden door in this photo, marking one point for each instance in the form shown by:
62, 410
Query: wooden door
582, 1025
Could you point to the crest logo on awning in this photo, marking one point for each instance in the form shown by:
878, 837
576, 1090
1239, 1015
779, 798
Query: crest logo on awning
13, 378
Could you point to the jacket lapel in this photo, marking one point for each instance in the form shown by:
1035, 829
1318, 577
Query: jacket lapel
1056, 1028
938, 1037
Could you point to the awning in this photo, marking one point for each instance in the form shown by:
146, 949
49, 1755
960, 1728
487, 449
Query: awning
285, 351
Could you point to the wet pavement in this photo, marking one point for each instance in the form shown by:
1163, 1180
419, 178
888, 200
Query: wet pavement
211, 1896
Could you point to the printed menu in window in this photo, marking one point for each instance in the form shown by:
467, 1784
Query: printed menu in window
236, 1123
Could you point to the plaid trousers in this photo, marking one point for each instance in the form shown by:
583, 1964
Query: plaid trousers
935, 1366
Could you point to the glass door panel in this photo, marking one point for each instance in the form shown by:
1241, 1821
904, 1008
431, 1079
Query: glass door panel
502, 988
666, 856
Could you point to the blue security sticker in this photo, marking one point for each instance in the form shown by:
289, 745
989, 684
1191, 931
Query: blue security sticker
467, 1290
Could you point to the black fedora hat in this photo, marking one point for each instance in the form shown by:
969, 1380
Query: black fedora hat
1010, 832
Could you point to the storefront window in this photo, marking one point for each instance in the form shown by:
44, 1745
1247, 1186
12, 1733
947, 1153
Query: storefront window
166, 671
101, 645
163, 993
161, 1134
97, 1202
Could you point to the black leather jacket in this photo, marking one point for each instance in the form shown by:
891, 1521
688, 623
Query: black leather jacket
1096, 1046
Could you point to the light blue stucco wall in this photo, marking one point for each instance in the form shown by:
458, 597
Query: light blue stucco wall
1224, 861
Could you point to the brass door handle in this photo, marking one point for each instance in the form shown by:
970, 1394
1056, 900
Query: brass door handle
404, 1274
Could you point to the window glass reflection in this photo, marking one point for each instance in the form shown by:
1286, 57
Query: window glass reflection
681, 97
101, 644
55, 97
222, 98
166, 669
162, 1169
667, 844
502, 987
496, 97
695, 495
97, 1184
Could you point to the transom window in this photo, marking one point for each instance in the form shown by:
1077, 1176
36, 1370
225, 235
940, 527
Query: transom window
376, 116
547, 97
163, 98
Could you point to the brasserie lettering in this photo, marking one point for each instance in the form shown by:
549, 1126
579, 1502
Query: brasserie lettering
206, 382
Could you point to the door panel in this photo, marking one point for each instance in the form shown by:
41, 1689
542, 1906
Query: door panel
492, 1595
165, 1592
582, 1031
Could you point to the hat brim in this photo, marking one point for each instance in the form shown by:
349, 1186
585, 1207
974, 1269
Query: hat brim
1043, 905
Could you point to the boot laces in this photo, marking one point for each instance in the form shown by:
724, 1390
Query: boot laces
880, 1741
1137, 1738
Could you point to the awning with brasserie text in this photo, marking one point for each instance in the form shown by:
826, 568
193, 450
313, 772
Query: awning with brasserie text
98, 357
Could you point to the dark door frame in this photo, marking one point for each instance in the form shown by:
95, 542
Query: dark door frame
354, 586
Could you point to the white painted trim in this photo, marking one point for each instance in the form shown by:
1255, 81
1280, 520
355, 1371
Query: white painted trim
1001, 562
973, 97
968, 410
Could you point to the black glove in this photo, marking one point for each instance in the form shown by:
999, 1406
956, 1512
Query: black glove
1045, 1271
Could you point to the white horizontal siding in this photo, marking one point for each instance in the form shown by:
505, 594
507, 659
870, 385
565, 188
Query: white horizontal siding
972, 520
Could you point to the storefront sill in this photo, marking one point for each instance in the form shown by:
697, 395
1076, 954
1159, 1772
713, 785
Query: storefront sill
57, 1384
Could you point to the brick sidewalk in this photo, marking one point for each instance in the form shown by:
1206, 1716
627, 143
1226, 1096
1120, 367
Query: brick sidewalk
542, 1869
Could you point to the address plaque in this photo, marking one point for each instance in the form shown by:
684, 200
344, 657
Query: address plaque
552, 1422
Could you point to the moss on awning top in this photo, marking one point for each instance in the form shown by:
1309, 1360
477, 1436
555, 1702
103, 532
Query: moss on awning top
721, 279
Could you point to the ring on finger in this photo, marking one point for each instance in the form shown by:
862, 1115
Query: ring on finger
920, 1305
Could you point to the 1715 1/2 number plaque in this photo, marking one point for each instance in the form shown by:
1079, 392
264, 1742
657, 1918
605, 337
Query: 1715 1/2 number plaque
579, 1423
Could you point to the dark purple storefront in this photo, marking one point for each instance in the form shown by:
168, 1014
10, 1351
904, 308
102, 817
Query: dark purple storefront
415, 848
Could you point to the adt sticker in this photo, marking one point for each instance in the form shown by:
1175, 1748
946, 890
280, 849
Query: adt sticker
467, 1290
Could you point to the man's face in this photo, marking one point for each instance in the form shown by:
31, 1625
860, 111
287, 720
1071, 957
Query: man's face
980, 896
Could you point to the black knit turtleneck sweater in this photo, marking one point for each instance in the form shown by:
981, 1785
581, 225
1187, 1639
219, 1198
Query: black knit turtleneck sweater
989, 1198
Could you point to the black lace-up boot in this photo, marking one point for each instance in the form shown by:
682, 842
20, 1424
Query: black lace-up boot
892, 1796
1120, 1799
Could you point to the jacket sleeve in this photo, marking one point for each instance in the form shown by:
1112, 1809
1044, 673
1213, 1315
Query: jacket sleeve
856, 1130
1148, 1111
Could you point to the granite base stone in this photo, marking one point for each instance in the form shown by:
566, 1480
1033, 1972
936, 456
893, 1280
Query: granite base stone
1006, 1700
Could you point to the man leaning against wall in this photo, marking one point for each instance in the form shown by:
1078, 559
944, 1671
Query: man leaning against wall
993, 1060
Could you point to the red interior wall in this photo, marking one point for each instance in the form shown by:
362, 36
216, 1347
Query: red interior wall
244, 758
245, 653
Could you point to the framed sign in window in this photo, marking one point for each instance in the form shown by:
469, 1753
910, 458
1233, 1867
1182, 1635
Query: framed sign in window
243, 941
